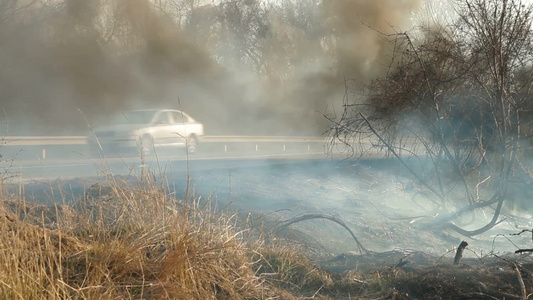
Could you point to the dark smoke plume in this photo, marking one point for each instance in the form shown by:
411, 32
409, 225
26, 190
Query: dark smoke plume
96, 57
362, 51
357, 30
102, 57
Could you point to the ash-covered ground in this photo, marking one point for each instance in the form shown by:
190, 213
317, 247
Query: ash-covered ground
387, 212
376, 199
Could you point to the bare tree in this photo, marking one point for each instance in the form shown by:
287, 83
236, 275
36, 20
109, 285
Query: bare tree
459, 97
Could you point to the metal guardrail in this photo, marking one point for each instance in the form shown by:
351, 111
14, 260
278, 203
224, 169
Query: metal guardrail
42, 140
67, 147
81, 140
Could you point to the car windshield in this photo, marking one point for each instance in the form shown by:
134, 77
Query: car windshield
135, 117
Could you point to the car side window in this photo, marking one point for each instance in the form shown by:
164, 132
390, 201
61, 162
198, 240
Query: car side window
179, 117
163, 118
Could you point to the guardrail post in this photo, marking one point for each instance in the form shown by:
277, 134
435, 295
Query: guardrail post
225, 148
283, 148
256, 147
44, 153
21, 187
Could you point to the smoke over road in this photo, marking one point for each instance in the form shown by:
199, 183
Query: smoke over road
232, 65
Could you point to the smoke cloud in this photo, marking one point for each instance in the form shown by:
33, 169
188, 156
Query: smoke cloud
359, 26
92, 57
103, 57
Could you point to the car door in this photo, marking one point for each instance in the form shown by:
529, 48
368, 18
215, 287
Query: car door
181, 121
162, 128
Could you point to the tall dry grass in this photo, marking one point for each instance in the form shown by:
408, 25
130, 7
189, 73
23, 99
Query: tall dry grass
123, 242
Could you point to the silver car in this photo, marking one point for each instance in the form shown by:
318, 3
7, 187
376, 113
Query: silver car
147, 132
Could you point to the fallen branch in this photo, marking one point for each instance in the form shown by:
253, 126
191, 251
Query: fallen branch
444, 219
287, 223
493, 222
443, 222
523, 250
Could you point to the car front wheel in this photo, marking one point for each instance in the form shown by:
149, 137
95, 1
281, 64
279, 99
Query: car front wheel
146, 145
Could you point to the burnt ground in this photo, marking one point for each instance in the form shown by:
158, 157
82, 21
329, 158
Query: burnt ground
376, 199
388, 213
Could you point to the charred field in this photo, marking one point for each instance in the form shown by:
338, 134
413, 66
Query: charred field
291, 230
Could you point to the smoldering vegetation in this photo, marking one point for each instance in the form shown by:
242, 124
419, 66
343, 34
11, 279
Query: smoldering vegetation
268, 66
135, 238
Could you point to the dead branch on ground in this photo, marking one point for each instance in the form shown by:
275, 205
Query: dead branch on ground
523, 250
337, 220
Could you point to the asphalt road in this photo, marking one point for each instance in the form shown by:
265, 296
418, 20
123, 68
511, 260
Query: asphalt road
28, 170
30, 158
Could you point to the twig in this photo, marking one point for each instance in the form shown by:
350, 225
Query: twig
391, 149
525, 230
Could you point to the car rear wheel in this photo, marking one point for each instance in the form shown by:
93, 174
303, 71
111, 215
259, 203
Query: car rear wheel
192, 144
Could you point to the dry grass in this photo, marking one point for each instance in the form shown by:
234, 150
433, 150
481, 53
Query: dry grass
126, 243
